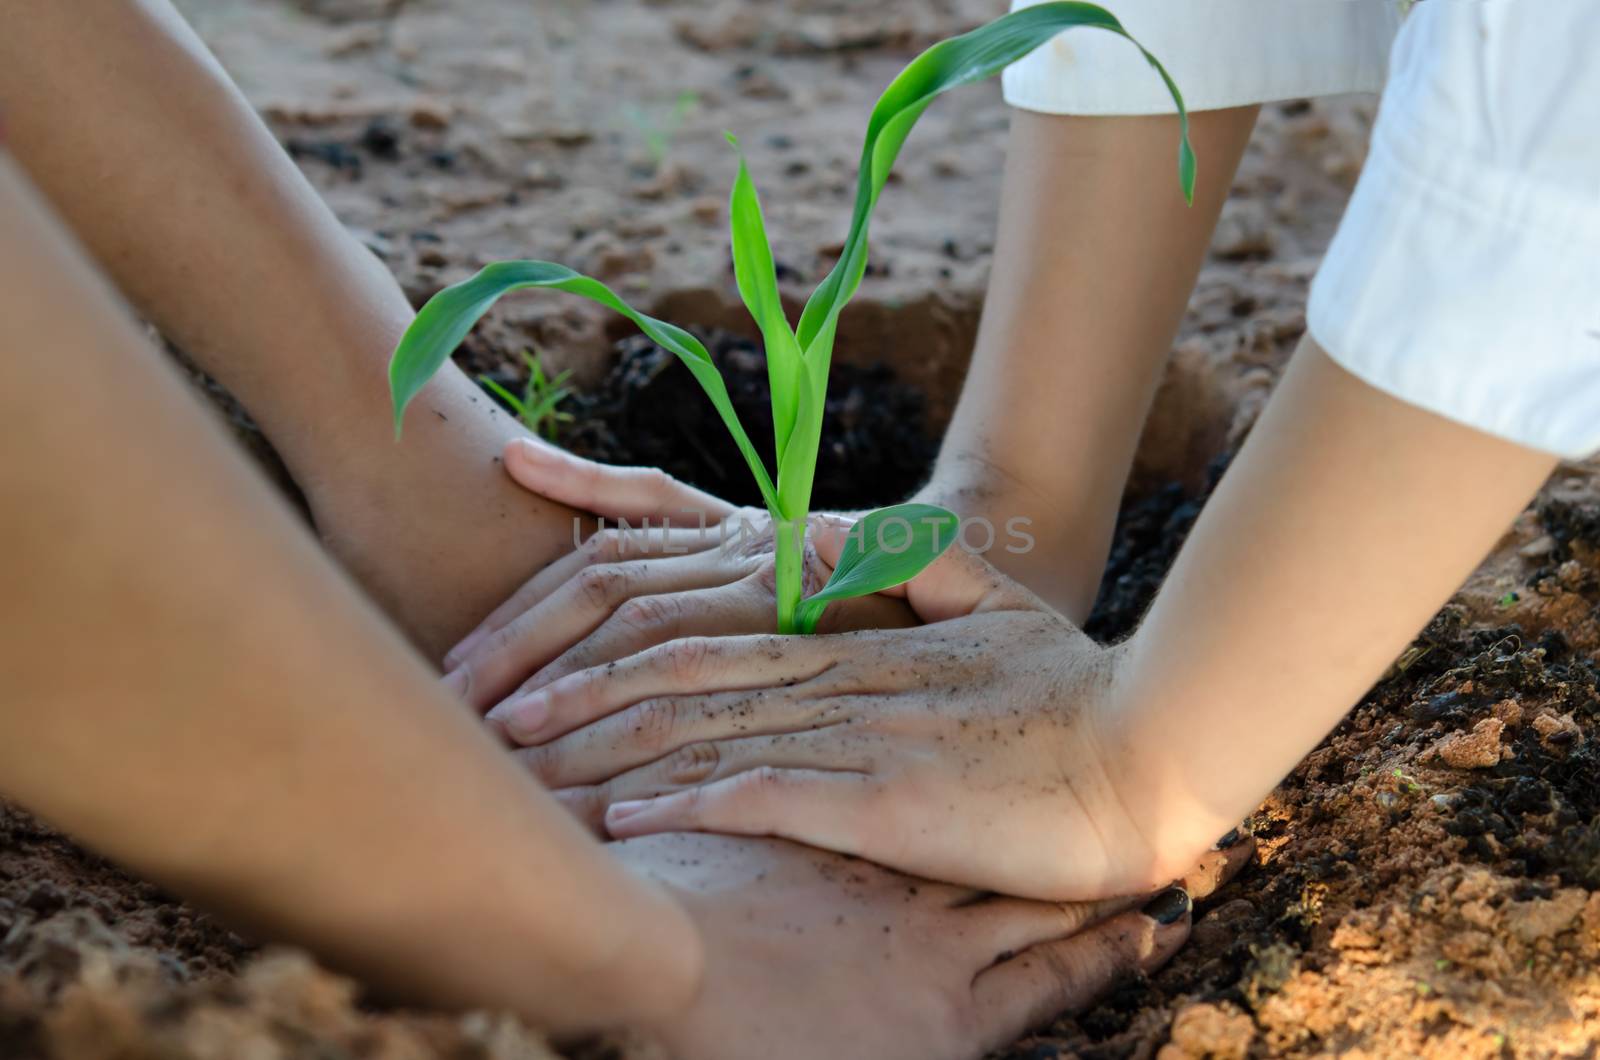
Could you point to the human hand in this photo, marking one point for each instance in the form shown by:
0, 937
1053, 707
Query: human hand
983, 748
689, 565
810, 954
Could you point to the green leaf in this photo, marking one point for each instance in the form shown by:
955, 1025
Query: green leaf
958, 61
449, 315
511, 400
757, 277
797, 466
886, 548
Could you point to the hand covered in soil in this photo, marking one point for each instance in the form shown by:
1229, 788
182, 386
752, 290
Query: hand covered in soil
809, 954
698, 567
983, 748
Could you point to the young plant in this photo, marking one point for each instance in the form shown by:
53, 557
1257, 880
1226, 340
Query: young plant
889, 546
657, 132
538, 406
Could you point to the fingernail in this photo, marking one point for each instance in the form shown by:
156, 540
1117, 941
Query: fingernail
523, 718
1168, 907
621, 811
534, 449
458, 681
1228, 840
453, 658
540, 680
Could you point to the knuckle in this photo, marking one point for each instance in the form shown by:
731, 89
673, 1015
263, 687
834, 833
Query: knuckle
693, 764
656, 483
648, 612
762, 782
591, 474
655, 721
602, 546
686, 659
599, 585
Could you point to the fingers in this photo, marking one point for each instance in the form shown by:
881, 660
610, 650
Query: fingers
1005, 926
606, 546
957, 583
620, 492
577, 607
645, 621
656, 728
829, 810
681, 667
709, 761
1037, 984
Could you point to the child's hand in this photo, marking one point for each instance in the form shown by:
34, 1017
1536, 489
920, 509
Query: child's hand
697, 566
982, 749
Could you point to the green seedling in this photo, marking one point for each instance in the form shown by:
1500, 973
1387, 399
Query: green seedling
887, 547
1408, 783
657, 131
538, 406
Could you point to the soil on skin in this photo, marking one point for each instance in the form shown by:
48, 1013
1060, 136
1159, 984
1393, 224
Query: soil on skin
1427, 882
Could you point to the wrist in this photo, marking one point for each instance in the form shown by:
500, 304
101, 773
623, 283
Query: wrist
1176, 802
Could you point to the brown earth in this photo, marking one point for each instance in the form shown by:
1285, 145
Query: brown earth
1427, 881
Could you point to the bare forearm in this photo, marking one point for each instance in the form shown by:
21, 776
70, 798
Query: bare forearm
154, 158
1347, 519
1095, 259
191, 688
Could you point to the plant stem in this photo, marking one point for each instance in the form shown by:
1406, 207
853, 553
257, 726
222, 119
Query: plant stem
790, 569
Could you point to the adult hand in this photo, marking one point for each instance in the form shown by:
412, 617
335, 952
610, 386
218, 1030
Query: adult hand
810, 954
687, 564
983, 748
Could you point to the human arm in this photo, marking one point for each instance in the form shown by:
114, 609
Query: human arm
154, 158
1349, 515
1001, 747
1095, 259
193, 690
287, 762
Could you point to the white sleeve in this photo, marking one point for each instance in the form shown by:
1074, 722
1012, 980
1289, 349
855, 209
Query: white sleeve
1222, 53
1465, 277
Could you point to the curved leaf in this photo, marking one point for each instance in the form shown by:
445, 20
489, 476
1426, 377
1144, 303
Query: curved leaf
757, 278
886, 548
449, 315
958, 61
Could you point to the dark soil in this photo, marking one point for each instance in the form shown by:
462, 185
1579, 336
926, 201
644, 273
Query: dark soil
876, 444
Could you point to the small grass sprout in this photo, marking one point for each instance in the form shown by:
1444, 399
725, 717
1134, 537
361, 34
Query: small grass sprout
538, 406
657, 130
891, 545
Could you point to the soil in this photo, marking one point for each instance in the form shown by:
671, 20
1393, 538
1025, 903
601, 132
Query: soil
650, 411
1427, 882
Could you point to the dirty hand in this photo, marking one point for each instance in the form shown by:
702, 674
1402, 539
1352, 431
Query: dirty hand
983, 748
699, 566
809, 954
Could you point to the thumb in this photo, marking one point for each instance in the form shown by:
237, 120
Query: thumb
618, 492
957, 583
